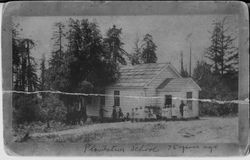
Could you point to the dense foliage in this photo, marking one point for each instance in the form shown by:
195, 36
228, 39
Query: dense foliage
81, 61
218, 78
24, 78
144, 51
148, 54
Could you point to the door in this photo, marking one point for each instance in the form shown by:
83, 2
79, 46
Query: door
168, 101
167, 110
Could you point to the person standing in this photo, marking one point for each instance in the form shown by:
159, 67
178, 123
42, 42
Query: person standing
114, 113
181, 108
120, 114
127, 117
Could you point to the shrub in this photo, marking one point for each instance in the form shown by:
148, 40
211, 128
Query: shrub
25, 108
215, 109
52, 109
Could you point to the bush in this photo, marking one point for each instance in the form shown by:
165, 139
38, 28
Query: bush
30, 108
52, 109
218, 90
215, 109
25, 108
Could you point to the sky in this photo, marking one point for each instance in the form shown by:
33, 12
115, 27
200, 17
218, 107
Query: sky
172, 34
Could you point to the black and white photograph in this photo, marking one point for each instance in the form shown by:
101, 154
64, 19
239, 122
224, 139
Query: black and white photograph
125, 84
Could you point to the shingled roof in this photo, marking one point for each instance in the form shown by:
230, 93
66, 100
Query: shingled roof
177, 84
139, 75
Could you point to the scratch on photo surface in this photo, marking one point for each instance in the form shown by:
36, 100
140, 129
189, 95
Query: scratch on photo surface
237, 101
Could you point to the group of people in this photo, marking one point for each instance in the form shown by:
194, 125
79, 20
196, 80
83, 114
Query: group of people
138, 114
117, 114
172, 112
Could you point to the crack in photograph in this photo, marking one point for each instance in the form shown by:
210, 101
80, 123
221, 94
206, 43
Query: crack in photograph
124, 79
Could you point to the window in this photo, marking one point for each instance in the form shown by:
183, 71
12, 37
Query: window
189, 102
116, 98
189, 95
168, 101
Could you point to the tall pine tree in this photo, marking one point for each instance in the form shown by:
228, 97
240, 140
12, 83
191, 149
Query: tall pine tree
148, 50
24, 78
58, 37
222, 51
135, 56
114, 44
43, 72
24, 65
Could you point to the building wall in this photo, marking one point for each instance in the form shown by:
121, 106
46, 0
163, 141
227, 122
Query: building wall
126, 103
176, 102
151, 90
150, 93
196, 104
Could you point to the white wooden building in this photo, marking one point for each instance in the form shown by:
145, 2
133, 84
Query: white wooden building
154, 84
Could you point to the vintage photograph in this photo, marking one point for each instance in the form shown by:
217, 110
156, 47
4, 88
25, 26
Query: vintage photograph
141, 78
125, 79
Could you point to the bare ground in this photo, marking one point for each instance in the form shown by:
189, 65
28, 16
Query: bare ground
206, 129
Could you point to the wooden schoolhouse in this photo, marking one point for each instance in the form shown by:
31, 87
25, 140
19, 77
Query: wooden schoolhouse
154, 85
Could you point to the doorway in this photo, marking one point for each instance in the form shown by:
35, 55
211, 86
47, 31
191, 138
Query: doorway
168, 101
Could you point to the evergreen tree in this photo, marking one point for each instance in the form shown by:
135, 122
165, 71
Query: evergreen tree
222, 52
29, 65
42, 76
114, 44
16, 58
24, 65
148, 50
135, 56
58, 36
24, 78
86, 66
88, 54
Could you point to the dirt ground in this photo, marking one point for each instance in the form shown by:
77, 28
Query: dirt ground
206, 129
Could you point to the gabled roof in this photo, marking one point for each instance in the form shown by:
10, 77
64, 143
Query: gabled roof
139, 75
177, 84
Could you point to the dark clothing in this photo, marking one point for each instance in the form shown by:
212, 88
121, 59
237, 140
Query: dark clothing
120, 113
114, 114
127, 116
181, 108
